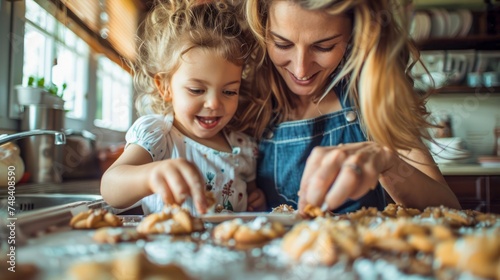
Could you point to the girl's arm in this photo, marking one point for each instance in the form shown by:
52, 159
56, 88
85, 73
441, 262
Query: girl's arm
134, 175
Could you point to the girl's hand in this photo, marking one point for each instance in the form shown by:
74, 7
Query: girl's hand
334, 174
256, 198
175, 180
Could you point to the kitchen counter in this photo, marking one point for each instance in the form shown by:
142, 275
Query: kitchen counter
68, 187
468, 169
55, 253
56, 249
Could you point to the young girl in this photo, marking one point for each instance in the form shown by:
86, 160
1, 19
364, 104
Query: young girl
188, 74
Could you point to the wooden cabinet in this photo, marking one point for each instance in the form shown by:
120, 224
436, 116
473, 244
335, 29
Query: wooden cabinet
483, 36
480, 193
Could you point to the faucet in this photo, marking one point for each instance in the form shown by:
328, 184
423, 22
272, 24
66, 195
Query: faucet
60, 137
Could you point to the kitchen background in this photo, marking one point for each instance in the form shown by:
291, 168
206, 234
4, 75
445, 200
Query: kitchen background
473, 117
82, 43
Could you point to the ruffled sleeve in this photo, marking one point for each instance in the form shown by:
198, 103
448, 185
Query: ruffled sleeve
246, 146
150, 132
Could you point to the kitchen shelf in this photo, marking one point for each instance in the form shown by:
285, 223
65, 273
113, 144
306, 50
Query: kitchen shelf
467, 89
479, 42
456, 4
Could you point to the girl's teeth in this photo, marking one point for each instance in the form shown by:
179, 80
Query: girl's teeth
207, 121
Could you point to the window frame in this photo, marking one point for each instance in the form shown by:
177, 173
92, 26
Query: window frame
56, 36
13, 16
112, 100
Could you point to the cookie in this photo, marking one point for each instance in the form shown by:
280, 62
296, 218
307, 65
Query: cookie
117, 235
93, 219
172, 220
246, 234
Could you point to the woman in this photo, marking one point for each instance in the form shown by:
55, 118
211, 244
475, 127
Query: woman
339, 122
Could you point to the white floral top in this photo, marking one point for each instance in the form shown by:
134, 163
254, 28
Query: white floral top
226, 174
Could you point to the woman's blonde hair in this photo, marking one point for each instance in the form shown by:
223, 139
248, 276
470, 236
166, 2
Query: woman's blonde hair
375, 71
172, 28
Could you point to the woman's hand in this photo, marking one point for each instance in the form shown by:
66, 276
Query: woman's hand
177, 179
256, 198
334, 174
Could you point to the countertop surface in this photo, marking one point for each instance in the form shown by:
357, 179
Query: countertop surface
60, 252
468, 170
69, 187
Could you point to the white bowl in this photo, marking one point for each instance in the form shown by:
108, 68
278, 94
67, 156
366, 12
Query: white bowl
447, 143
434, 79
448, 149
38, 96
450, 155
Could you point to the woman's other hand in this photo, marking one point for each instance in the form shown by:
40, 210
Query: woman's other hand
177, 179
256, 198
334, 174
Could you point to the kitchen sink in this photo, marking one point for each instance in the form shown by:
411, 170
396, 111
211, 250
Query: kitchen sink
29, 202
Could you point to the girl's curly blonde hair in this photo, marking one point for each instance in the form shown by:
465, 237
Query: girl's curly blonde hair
174, 27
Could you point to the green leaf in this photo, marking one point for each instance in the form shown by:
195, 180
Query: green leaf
53, 89
41, 82
31, 81
64, 86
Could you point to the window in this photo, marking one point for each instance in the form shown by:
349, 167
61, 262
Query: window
64, 43
114, 96
54, 52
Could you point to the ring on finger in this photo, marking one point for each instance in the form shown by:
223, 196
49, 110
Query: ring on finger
354, 167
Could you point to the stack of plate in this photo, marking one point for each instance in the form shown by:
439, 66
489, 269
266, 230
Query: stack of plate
465, 22
420, 27
489, 161
455, 24
449, 151
440, 23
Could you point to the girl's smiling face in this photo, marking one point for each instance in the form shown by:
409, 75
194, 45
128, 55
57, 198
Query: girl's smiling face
204, 93
305, 46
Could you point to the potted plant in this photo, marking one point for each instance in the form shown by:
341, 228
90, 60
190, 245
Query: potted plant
36, 92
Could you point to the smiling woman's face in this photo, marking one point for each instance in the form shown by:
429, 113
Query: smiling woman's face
305, 46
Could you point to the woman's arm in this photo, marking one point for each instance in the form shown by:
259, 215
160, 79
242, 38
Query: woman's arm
417, 181
134, 175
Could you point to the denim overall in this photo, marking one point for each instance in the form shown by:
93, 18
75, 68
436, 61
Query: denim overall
284, 151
